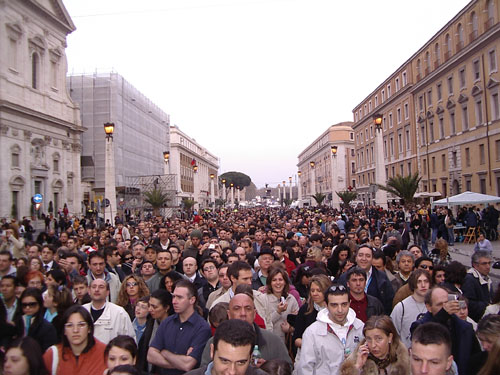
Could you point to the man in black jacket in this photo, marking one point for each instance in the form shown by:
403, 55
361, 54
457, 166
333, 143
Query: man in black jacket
442, 311
477, 286
379, 285
363, 304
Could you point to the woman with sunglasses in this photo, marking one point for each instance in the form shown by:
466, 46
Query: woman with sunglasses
30, 322
132, 289
79, 352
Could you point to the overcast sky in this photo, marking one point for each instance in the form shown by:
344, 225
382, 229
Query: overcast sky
253, 81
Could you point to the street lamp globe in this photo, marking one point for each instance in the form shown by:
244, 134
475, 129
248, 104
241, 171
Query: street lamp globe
109, 129
166, 156
334, 150
377, 120
312, 164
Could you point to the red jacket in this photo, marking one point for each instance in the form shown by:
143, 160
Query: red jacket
90, 363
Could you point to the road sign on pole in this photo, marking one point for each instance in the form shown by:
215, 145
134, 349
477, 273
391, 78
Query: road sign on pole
37, 198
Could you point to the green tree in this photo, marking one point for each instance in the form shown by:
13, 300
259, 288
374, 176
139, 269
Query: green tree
347, 196
236, 178
188, 204
157, 199
403, 187
287, 201
220, 202
319, 198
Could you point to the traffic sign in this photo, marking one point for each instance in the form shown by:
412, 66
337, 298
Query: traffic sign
37, 198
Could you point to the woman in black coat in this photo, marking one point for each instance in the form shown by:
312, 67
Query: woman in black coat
30, 322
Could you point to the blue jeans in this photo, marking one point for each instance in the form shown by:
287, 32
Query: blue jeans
451, 236
434, 235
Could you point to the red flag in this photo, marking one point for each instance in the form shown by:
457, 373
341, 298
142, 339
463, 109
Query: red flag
193, 162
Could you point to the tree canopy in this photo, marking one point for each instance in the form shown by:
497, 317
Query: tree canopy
239, 180
347, 196
319, 198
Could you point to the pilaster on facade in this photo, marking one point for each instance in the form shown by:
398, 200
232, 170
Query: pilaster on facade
443, 118
37, 115
327, 165
193, 183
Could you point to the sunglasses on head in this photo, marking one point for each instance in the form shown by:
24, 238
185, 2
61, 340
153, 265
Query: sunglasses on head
334, 288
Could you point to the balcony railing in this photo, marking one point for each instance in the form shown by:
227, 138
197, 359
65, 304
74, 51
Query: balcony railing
488, 24
473, 36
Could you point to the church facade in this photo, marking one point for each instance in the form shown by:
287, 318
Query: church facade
40, 126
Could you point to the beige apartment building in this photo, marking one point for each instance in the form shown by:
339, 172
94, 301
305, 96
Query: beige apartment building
440, 111
327, 165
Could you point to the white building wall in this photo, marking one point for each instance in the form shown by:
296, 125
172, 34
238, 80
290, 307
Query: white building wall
38, 120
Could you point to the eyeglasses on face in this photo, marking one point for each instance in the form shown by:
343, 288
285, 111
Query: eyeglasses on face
79, 325
131, 284
29, 304
128, 259
425, 267
485, 263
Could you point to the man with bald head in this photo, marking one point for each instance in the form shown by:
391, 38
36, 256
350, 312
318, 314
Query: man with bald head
242, 307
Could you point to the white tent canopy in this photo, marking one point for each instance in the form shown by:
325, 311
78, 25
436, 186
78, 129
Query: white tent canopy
467, 198
426, 194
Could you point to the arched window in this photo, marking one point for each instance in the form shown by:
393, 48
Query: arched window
35, 69
461, 37
473, 21
447, 54
491, 11
419, 69
427, 62
437, 55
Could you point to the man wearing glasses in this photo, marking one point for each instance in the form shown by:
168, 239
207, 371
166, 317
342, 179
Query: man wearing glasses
477, 286
332, 337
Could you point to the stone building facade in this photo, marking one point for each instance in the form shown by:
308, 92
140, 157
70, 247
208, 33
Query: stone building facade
40, 126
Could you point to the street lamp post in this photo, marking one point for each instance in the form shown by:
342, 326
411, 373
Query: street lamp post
299, 187
196, 187
313, 180
109, 168
283, 195
335, 178
232, 194
212, 190
290, 180
224, 190
166, 157
380, 195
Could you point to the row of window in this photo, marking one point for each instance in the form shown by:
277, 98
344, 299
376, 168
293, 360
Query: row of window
460, 36
15, 159
473, 24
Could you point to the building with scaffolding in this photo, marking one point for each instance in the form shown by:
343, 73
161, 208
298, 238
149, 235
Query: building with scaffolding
141, 135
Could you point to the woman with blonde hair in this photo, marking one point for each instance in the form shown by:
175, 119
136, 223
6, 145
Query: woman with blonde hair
440, 255
492, 365
380, 352
132, 289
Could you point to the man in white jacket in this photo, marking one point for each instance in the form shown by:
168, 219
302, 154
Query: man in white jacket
332, 337
110, 320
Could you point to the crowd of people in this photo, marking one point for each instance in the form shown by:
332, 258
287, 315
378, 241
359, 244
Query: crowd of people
251, 291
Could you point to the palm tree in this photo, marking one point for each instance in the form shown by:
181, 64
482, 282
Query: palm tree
403, 187
157, 199
188, 204
319, 198
347, 196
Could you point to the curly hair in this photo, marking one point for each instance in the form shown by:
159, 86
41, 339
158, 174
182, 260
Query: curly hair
123, 298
